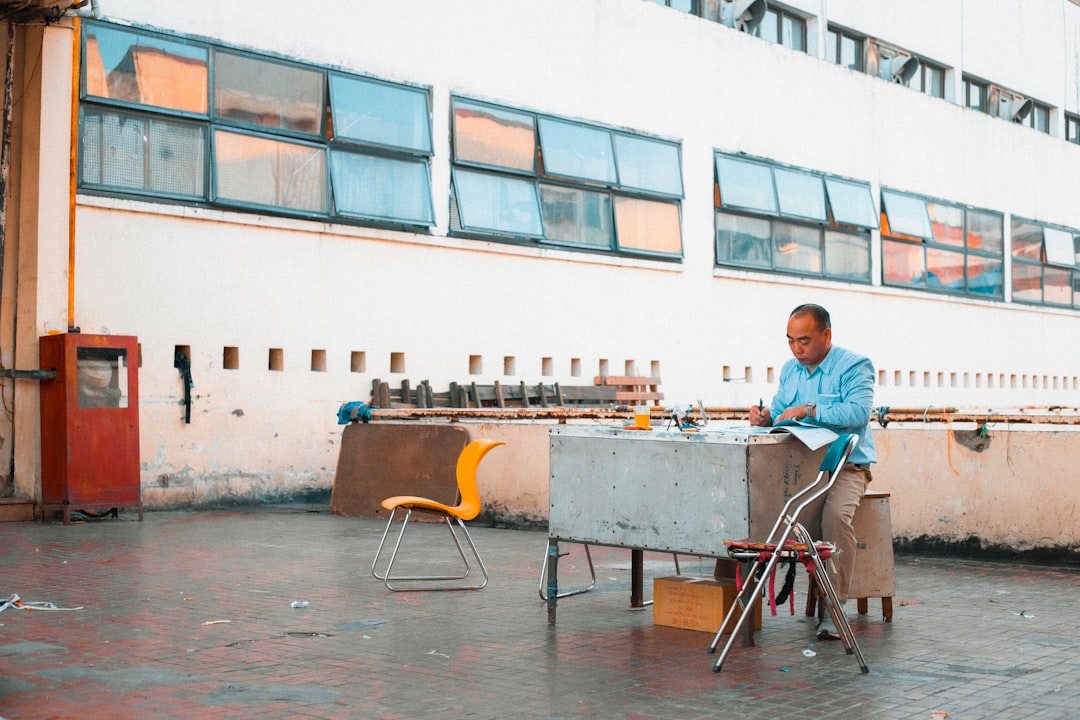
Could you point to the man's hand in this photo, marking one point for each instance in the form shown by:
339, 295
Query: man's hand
796, 412
760, 416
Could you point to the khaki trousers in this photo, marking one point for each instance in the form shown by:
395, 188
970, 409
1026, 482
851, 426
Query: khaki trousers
837, 516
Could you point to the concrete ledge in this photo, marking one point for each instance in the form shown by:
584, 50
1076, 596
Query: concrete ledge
16, 510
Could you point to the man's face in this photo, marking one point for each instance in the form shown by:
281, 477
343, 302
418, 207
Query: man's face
808, 342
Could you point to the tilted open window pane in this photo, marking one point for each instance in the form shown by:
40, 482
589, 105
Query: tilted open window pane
255, 170
648, 165
800, 194
743, 240
647, 225
577, 216
746, 184
847, 255
1060, 249
797, 248
851, 203
268, 94
152, 155
381, 188
577, 151
497, 203
492, 136
380, 114
144, 69
907, 215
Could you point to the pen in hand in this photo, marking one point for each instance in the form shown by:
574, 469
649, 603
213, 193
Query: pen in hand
760, 408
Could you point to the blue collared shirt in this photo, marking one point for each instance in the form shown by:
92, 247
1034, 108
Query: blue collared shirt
842, 387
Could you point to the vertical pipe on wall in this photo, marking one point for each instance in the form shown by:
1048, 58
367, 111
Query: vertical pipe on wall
73, 175
5, 142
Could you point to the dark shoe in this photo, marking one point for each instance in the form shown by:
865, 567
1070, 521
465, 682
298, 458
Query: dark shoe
827, 630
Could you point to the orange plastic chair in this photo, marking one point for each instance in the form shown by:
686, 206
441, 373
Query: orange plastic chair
468, 507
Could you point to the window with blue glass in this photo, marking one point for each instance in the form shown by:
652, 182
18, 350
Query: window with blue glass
1045, 264
185, 121
791, 220
941, 247
525, 177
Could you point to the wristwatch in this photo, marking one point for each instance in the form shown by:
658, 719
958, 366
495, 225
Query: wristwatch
811, 409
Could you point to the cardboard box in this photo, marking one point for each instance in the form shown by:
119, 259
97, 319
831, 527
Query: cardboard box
696, 603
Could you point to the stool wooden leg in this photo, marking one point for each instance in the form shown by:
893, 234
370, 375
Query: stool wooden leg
886, 608
863, 606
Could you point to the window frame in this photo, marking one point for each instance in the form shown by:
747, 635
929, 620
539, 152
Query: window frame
616, 190
784, 18
835, 37
926, 243
211, 122
1025, 267
982, 87
780, 227
1072, 128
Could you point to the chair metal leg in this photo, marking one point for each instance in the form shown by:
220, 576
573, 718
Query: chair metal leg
388, 578
820, 575
568, 593
751, 589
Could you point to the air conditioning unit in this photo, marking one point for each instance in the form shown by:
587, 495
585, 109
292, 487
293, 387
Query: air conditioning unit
743, 15
890, 64
1008, 105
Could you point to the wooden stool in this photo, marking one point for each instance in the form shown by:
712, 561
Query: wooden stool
875, 572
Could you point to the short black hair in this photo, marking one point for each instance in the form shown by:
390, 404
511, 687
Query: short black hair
820, 314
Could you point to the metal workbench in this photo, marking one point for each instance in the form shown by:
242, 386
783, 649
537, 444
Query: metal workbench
668, 491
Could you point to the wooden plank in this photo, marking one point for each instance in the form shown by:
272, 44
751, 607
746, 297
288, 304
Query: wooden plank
627, 380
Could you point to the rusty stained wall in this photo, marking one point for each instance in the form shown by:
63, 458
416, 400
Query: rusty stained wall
1011, 490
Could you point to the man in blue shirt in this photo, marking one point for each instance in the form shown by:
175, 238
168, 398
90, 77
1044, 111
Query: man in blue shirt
833, 387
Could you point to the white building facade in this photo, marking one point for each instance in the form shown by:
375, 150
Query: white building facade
304, 198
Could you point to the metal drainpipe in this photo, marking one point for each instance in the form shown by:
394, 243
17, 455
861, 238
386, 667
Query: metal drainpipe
5, 142
72, 175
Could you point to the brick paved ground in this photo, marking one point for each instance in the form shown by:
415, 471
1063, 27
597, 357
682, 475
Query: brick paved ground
188, 615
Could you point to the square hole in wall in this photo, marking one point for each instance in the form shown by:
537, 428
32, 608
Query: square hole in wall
397, 362
655, 368
547, 367
629, 367
476, 364
509, 366
602, 367
318, 361
276, 361
230, 358
357, 362
575, 367
183, 351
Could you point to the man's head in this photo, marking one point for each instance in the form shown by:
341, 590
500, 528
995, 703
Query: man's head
809, 334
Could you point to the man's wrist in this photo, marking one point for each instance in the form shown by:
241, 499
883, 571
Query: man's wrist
811, 410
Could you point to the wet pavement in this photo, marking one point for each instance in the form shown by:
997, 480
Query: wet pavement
189, 615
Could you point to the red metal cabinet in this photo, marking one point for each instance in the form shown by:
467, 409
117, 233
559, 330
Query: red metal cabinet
90, 423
